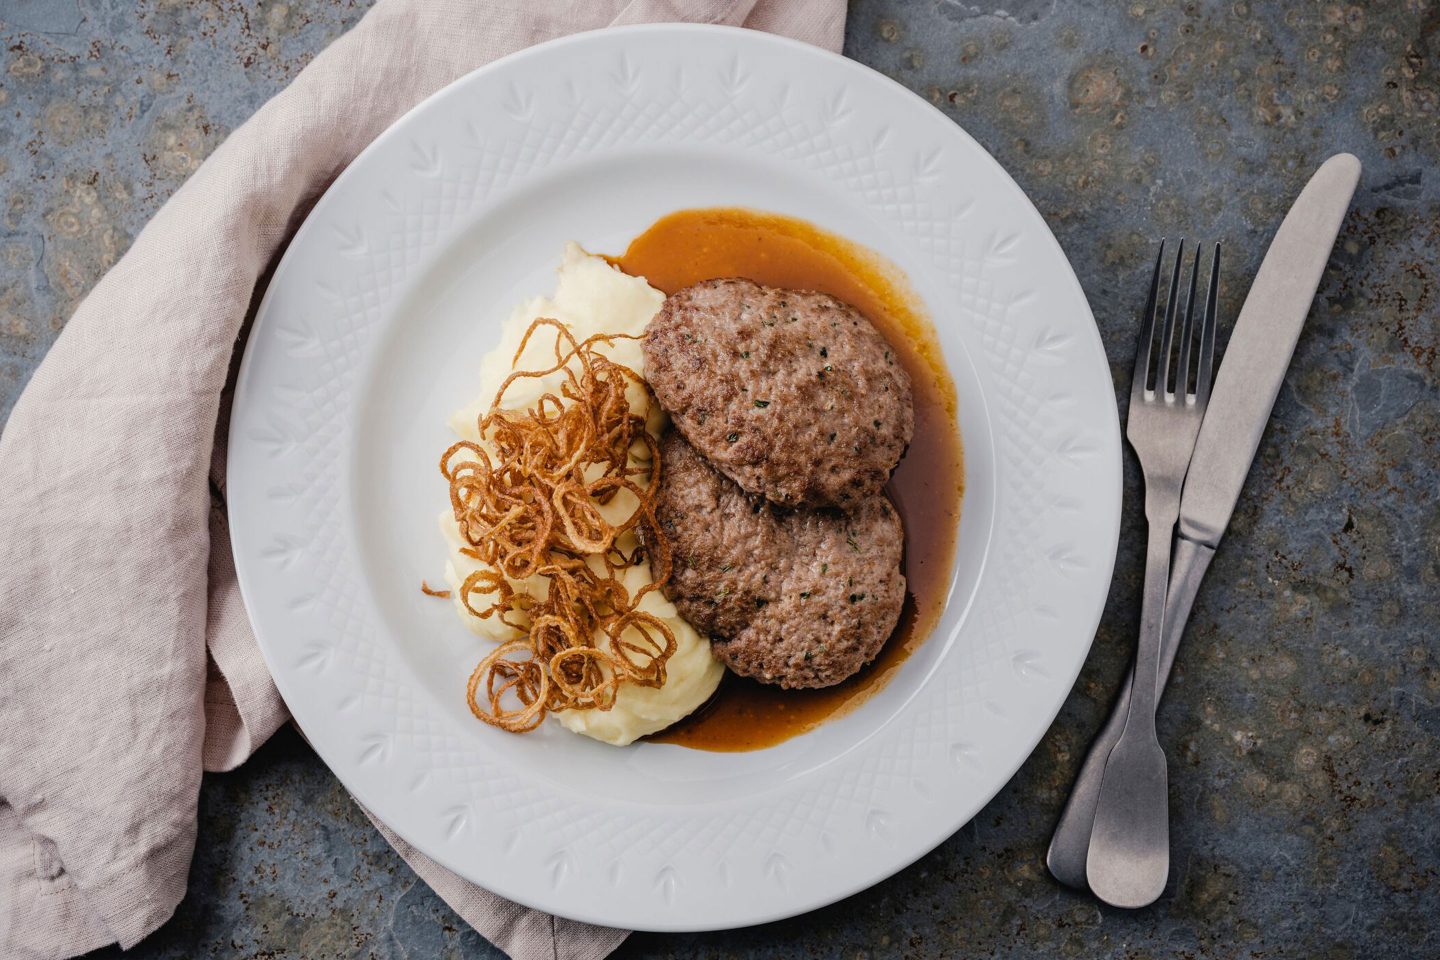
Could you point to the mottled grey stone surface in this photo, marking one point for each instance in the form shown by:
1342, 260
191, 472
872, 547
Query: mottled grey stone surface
1304, 722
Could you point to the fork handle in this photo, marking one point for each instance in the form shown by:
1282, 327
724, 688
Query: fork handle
1129, 860
1071, 842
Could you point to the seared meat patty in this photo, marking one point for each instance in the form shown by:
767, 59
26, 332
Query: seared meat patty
794, 395
798, 598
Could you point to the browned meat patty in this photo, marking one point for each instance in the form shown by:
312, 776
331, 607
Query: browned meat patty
798, 598
794, 395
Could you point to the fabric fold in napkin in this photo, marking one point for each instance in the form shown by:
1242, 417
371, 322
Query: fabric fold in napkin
127, 665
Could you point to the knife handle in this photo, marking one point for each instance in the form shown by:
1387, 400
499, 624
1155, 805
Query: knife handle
1071, 844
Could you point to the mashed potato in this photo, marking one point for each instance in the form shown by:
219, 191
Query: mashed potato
590, 297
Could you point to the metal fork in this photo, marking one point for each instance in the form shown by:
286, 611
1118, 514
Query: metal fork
1128, 861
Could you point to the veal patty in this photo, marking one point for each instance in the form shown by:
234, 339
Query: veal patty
797, 598
794, 395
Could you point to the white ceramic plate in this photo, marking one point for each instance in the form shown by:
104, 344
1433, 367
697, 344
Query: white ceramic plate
371, 334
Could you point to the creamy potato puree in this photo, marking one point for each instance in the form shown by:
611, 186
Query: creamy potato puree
590, 297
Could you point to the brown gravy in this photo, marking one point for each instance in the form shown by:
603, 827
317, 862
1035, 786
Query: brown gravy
693, 245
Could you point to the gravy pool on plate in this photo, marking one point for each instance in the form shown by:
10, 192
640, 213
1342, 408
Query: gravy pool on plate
694, 245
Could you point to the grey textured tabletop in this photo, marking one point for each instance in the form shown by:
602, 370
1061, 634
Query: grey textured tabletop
1303, 723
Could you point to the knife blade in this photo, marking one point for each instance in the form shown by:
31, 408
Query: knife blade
1244, 393
1260, 349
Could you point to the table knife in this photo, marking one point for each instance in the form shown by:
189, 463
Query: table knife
1246, 385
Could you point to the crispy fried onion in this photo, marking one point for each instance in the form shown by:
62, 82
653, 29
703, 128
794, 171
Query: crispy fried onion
527, 501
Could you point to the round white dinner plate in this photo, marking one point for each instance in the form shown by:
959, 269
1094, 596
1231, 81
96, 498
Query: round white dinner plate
371, 334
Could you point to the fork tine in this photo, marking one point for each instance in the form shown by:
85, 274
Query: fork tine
1167, 336
1187, 330
1207, 332
1146, 346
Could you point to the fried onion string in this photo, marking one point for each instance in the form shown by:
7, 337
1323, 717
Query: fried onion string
527, 500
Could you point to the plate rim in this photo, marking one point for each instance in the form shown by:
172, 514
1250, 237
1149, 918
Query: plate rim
1110, 429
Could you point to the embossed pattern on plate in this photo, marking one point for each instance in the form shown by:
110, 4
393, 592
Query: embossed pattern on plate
391, 291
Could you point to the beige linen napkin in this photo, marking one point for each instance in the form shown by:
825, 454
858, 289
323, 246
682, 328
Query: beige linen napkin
126, 662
